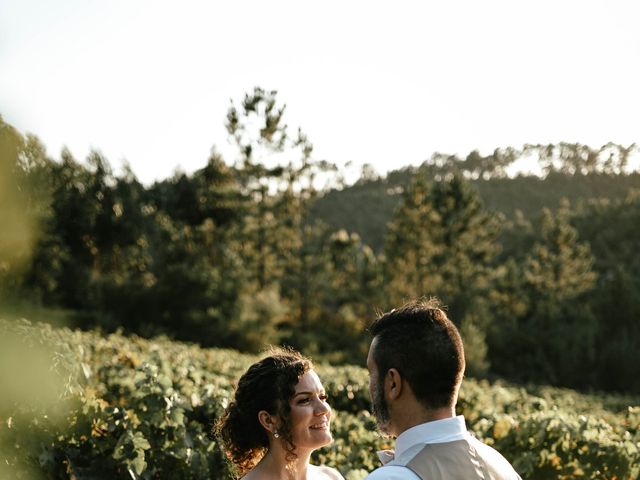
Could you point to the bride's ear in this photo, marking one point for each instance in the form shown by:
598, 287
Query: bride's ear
268, 421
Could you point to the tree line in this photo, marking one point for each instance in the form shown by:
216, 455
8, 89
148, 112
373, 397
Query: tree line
237, 255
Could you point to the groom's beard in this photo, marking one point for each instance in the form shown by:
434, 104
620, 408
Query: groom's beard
380, 408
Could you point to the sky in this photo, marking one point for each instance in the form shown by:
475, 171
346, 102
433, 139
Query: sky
383, 83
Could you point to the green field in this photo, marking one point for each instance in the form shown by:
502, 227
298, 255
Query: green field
83, 405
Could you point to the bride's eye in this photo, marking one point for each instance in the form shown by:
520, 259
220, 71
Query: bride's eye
302, 401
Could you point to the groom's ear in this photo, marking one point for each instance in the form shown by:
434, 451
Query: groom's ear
268, 421
393, 384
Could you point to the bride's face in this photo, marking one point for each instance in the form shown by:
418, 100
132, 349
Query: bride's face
310, 413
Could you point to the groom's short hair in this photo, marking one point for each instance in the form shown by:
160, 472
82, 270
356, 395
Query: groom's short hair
425, 347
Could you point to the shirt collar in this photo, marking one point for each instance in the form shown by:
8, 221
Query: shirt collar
437, 431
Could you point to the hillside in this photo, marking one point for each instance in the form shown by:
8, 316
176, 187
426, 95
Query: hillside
115, 407
367, 206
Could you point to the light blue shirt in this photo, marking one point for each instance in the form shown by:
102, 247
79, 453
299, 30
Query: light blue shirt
411, 441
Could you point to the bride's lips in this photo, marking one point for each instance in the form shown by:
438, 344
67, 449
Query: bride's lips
324, 425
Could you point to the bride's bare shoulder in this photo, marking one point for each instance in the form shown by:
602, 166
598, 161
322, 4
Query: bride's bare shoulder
327, 473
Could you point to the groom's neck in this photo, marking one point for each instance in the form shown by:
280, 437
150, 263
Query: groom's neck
413, 414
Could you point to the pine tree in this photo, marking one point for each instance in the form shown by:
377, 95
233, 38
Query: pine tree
279, 245
412, 242
271, 169
544, 329
441, 243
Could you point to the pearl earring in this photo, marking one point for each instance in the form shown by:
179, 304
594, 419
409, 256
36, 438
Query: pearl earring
276, 434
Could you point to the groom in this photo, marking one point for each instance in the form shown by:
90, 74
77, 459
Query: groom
416, 364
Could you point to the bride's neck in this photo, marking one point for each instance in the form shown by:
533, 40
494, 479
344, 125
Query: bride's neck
275, 462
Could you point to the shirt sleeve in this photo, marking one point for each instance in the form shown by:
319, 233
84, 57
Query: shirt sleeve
392, 472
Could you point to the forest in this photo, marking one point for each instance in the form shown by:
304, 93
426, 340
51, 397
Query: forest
540, 272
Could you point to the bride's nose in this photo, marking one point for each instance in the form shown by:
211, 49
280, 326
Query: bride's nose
322, 407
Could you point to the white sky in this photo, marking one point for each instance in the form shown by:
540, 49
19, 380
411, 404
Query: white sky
386, 83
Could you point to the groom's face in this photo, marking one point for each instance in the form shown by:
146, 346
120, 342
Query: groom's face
376, 392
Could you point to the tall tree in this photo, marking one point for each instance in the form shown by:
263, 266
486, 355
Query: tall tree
544, 329
25, 205
260, 134
441, 243
278, 179
611, 227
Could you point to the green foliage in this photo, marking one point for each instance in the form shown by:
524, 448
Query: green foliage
24, 204
342, 284
143, 409
542, 321
132, 409
235, 255
562, 445
441, 243
611, 229
441, 240
543, 324
368, 206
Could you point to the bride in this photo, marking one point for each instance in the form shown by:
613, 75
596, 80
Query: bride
278, 417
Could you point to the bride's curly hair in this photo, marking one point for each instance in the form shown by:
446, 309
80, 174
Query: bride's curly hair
267, 385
